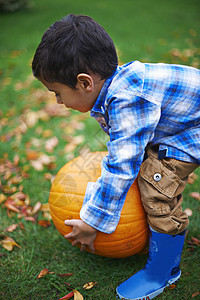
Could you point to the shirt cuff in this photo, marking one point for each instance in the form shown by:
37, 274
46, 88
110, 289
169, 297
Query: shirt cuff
99, 219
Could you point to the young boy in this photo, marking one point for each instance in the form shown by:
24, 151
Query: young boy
152, 114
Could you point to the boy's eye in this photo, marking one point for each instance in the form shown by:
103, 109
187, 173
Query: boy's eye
57, 95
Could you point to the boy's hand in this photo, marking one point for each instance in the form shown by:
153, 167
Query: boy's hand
81, 233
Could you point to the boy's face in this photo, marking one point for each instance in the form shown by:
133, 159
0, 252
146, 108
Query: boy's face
82, 98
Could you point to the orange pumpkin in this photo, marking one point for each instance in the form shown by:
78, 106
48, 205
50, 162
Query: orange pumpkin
66, 198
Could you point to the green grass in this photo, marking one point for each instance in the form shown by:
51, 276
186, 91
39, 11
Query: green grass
142, 30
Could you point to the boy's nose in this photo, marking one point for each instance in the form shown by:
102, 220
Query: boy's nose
59, 101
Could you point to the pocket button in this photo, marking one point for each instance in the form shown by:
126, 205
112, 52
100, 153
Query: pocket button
157, 176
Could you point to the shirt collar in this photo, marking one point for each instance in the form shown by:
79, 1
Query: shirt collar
99, 105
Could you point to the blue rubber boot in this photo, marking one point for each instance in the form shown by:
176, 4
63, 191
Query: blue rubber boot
161, 270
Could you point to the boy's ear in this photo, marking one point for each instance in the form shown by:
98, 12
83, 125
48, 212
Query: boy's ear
85, 81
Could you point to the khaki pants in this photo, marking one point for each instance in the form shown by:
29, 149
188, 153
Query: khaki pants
161, 183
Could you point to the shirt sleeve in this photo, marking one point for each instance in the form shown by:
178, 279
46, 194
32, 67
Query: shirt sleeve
132, 121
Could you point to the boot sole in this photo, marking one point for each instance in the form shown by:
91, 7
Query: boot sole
154, 294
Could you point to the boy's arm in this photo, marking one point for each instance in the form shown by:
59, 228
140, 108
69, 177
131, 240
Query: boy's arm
132, 122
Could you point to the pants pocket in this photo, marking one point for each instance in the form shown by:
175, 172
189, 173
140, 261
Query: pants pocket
160, 177
157, 185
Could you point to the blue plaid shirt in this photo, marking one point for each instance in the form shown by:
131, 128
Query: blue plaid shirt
138, 105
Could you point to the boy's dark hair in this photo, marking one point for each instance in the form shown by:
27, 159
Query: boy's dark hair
76, 44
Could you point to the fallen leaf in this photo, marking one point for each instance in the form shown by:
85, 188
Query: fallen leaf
68, 284
196, 241
2, 198
68, 296
8, 243
44, 223
36, 208
19, 195
193, 243
31, 219
51, 166
188, 212
47, 215
48, 176
37, 165
44, 272
9, 206
77, 295
16, 160
45, 207
45, 159
30, 118
47, 133
195, 294
172, 286
32, 155
195, 195
66, 274
89, 285
21, 225
12, 227
192, 177
51, 144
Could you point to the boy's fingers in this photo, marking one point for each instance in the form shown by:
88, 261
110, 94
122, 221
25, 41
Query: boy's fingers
69, 235
92, 248
74, 243
83, 246
70, 222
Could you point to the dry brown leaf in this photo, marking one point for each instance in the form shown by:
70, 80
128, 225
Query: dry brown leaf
2, 198
19, 196
195, 195
66, 274
37, 165
11, 207
192, 177
8, 243
77, 295
15, 179
195, 294
68, 296
31, 118
45, 207
44, 272
16, 160
31, 219
43, 115
47, 133
188, 212
52, 166
7, 175
47, 215
21, 225
195, 241
36, 208
46, 159
172, 286
48, 176
51, 144
89, 285
70, 147
44, 223
32, 154
12, 227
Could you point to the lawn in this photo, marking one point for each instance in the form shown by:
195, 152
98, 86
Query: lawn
38, 137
